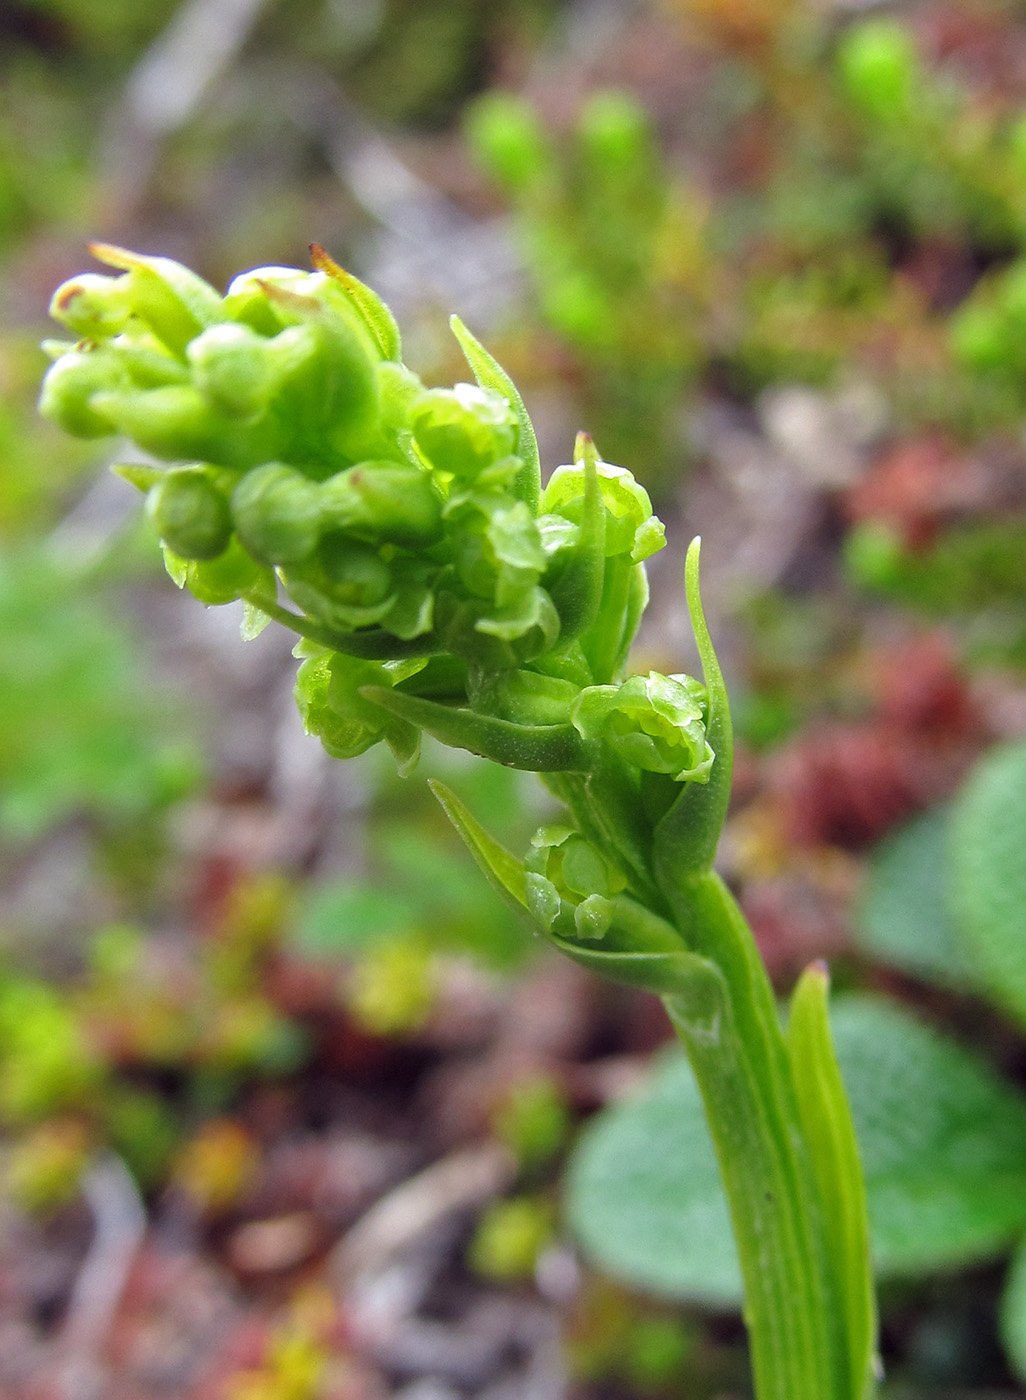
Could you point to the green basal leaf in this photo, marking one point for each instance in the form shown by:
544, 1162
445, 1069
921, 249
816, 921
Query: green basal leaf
988, 872
904, 916
942, 1140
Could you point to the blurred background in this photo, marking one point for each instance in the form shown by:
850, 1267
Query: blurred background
290, 1108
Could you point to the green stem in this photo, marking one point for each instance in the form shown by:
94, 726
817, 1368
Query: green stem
730, 1027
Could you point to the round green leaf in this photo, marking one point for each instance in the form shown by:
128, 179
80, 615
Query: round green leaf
903, 917
943, 1143
988, 872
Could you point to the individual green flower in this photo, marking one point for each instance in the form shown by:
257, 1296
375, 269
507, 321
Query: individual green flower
497, 548
464, 429
328, 687
170, 300
569, 884
654, 722
631, 528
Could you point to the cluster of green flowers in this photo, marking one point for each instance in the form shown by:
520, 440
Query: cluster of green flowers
434, 584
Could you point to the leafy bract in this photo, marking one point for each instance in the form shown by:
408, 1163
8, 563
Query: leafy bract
943, 1144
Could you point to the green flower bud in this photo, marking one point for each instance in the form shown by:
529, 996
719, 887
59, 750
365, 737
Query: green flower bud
92, 306
171, 299
655, 723
176, 422
631, 528
384, 501
569, 884
70, 388
464, 429
233, 368
277, 513
327, 387
190, 513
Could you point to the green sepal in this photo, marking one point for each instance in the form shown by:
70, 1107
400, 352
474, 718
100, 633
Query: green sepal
837, 1169
92, 306
685, 839
376, 315
501, 869
577, 592
490, 375
173, 301
536, 748
234, 369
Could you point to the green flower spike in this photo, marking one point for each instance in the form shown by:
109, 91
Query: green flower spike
438, 591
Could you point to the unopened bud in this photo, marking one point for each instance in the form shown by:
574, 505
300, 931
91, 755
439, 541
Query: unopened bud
190, 513
384, 501
71, 386
277, 514
233, 368
92, 306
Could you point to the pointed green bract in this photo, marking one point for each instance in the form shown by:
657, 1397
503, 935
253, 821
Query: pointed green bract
501, 869
490, 375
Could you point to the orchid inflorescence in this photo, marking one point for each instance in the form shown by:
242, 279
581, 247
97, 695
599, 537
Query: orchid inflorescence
435, 585
403, 532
